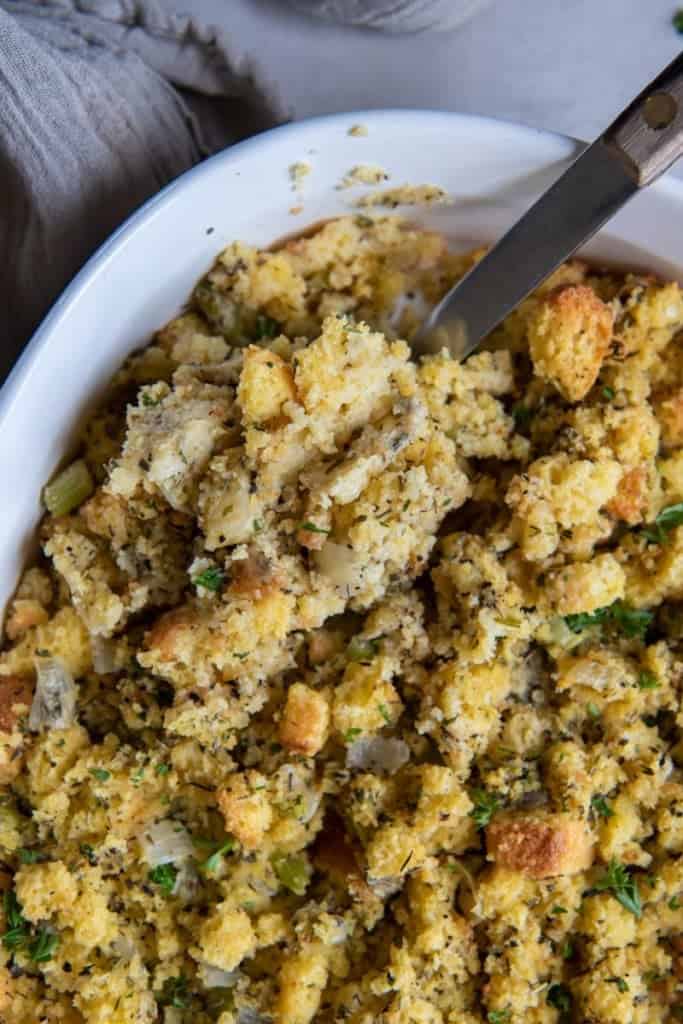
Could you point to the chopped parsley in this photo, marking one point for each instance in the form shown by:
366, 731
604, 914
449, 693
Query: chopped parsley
31, 856
618, 880
621, 983
162, 769
266, 327
567, 950
674, 903
522, 414
101, 774
17, 932
593, 709
585, 620
632, 622
384, 712
608, 393
257, 525
601, 807
560, 997
211, 579
312, 528
498, 1016
42, 948
351, 734
212, 862
164, 875
89, 853
174, 992
148, 400
647, 681
485, 806
558, 910
658, 531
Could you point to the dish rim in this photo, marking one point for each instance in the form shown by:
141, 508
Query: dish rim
109, 249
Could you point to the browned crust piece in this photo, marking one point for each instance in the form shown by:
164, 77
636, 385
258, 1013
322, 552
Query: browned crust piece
540, 846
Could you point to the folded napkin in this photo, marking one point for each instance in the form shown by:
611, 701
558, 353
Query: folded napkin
102, 102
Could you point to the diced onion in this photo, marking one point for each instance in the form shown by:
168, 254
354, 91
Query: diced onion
103, 655
214, 977
187, 883
377, 754
339, 563
54, 701
166, 842
248, 1016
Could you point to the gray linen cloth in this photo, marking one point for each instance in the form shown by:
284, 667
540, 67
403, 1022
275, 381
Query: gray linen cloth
102, 102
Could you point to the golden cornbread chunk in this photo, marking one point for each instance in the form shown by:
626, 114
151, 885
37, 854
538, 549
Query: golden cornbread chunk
569, 336
540, 846
246, 808
353, 689
305, 720
266, 384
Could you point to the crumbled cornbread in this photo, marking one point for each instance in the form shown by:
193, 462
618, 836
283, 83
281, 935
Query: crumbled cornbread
353, 691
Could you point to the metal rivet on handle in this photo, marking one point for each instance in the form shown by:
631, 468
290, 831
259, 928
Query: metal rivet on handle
659, 111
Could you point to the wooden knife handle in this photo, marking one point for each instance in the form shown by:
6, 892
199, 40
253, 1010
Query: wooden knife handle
648, 135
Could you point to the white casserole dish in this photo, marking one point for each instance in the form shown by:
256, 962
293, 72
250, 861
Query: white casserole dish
141, 277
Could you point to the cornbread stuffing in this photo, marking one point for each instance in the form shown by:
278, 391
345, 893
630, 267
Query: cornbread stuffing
349, 687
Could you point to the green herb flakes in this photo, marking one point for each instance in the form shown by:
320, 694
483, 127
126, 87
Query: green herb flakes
619, 881
213, 862
647, 681
485, 806
632, 622
174, 992
211, 579
658, 531
164, 875
560, 997
31, 856
42, 948
17, 932
522, 414
312, 528
266, 327
601, 807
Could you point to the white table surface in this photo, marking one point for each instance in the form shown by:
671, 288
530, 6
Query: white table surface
567, 65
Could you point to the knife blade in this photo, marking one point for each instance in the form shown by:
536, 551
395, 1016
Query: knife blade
640, 144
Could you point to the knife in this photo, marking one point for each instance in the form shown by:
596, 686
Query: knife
641, 144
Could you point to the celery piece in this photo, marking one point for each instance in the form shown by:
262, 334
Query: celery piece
292, 872
69, 489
